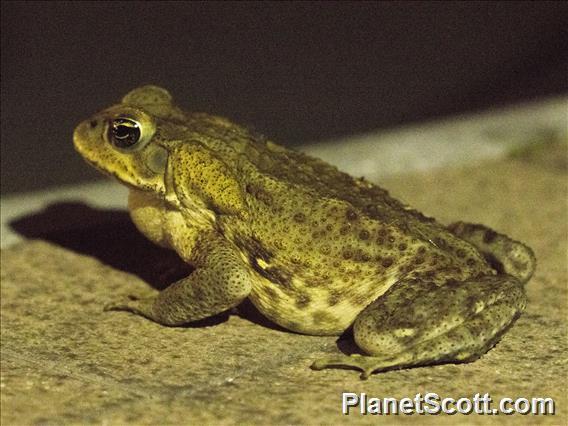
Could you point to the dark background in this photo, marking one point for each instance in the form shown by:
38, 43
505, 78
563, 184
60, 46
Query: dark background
298, 72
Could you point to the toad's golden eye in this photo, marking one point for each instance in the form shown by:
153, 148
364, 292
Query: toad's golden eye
124, 133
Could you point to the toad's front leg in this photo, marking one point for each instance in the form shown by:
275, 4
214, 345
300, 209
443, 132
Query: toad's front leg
220, 281
416, 323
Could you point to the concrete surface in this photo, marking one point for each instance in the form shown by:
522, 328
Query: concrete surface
65, 361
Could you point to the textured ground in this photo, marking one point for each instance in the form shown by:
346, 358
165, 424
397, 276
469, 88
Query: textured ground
64, 360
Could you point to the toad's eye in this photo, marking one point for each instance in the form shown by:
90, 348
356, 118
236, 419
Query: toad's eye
124, 133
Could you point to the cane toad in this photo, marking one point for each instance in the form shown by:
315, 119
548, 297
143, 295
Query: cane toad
314, 249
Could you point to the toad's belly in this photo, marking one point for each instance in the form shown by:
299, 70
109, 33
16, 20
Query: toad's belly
314, 309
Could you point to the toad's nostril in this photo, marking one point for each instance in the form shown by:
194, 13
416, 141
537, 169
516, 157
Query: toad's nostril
93, 124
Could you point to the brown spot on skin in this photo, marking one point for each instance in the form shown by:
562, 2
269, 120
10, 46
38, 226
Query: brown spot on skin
364, 235
296, 260
380, 241
299, 217
456, 270
302, 301
329, 227
418, 260
344, 230
334, 297
402, 246
360, 299
259, 193
452, 283
460, 253
270, 293
489, 236
387, 262
316, 282
421, 251
361, 256
470, 262
347, 254
322, 317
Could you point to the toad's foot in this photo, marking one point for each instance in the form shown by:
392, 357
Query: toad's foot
367, 364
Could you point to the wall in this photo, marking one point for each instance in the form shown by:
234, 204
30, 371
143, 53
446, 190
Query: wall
298, 72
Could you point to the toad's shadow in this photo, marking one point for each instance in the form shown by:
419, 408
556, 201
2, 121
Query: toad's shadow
107, 235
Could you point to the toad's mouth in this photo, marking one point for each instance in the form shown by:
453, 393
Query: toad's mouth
115, 176
81, 146
91, 161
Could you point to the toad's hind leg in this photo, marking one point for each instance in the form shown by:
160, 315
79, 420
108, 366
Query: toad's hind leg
503, 253
416, 324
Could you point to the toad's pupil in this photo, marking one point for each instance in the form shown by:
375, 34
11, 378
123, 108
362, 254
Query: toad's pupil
122, 132
125, 133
